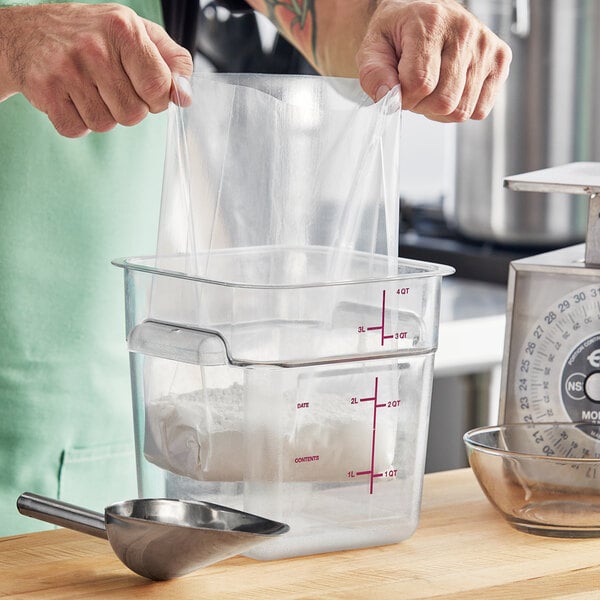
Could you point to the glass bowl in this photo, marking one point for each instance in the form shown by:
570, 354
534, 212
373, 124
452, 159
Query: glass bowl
544, 478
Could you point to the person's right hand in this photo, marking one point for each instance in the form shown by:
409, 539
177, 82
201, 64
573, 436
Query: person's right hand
89, 67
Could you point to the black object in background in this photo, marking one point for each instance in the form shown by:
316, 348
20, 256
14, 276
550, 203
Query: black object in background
234, 45
181, 20
234, 5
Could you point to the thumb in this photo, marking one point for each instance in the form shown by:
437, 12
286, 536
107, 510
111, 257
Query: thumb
377, 62
178, 59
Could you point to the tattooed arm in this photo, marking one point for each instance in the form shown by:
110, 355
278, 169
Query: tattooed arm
449, 65
326, 36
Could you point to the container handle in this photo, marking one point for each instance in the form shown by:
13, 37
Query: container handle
174, 342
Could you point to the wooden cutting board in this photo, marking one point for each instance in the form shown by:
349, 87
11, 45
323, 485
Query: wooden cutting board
462, 549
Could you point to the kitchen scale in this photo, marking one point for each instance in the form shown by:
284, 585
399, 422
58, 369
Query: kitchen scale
551, 365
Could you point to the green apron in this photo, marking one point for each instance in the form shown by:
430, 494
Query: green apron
67, 207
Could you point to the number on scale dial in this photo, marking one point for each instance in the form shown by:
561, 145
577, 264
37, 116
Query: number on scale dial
557, 373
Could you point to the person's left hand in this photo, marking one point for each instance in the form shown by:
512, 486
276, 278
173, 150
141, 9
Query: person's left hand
450, 67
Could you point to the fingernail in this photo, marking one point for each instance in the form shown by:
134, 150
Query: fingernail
184, 89
382, 90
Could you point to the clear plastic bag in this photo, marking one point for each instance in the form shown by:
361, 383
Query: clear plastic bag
280, 161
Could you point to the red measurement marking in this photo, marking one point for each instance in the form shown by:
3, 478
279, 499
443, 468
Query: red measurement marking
371, 471
376, 405
382, 326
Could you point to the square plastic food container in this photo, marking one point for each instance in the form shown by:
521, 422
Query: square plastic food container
306, 403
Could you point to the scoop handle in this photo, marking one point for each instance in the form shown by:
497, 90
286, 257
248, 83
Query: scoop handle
62, 514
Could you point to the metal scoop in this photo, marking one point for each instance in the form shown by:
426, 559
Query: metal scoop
160, 538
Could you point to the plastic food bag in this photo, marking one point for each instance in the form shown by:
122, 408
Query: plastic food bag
282, 161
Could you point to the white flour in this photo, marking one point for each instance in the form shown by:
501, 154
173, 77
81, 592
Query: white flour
205, 435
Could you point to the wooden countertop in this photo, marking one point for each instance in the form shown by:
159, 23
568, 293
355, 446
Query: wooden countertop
462, 549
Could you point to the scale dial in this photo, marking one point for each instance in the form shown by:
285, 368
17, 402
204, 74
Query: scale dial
557, 371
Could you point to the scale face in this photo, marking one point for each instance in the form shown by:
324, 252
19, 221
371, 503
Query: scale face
551, 368
553, 363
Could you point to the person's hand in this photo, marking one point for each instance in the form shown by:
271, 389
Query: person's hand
89, 67
449, 65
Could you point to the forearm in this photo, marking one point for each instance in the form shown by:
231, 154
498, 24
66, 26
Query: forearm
327, 32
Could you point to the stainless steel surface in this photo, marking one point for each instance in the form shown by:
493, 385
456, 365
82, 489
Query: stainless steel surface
160, 538
572, 178
62, 514
552, 313
551, 362
592, 238
548, 114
